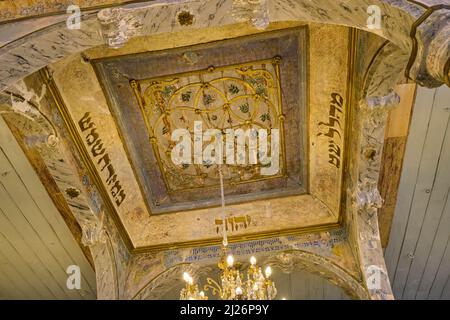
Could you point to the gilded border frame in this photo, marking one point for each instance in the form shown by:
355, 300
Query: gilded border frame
88, 163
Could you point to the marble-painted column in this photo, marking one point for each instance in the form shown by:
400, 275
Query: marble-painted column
364, 194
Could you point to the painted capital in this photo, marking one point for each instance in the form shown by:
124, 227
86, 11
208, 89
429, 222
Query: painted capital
93, 231
374, 111
367, 196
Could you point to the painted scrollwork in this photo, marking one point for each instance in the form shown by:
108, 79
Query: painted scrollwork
25, 102
118, 26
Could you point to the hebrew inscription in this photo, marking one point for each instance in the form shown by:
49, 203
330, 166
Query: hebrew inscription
98, 151
333, 129
233, 223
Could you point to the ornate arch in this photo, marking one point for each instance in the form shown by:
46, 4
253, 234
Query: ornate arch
415, 43
368, 123
384, 71
167, 280
31, 52
287, 261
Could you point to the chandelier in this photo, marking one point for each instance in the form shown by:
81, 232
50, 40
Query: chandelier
256, 285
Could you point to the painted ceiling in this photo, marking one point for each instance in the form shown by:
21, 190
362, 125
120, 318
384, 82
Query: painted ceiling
121, 108
235, 84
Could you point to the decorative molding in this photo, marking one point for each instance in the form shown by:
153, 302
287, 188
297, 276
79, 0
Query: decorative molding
286, 261
81, 153
373, 115
385, 70
429, 67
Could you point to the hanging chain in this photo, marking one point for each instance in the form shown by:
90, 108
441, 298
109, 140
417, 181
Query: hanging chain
224, 229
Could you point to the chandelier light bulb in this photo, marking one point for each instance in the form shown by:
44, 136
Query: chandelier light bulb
232, 285
230, 260
268, 272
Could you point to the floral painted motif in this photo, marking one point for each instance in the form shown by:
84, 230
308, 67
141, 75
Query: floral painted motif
208, 99
168, 91
233, 89
231, 97
265, 117
244, 107
186, 97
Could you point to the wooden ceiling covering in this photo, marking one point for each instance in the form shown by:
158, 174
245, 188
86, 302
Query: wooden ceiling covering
36, 246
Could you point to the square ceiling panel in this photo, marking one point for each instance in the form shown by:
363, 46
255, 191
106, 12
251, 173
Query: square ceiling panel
254, 82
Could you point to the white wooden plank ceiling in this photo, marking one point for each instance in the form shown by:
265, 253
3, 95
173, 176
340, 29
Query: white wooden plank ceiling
418, 254
36, 246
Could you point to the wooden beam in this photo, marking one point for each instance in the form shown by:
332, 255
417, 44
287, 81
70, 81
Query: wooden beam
393, 153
